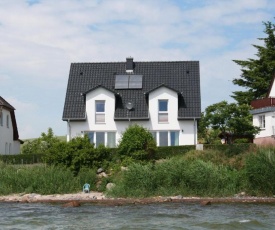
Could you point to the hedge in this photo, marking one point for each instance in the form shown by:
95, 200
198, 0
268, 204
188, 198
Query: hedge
22, 158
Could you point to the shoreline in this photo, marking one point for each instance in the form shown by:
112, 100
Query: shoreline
76, 199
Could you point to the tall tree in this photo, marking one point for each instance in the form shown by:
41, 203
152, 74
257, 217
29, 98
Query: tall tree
257, 73
232, 119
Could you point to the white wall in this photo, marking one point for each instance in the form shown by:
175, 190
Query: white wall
272, 91
185, 127
269, 124
6, 136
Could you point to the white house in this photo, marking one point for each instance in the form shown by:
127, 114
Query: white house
9, 138
103, 99
264, 117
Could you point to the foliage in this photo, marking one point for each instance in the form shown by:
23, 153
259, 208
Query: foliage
41, 144
257, 73
260, 172
22, 158
76, 154
228, 118
164, 152
138, 143
43, 179
176, 176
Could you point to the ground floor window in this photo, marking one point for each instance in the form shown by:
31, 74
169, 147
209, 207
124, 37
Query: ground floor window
174, 138
166, 138
262, 121
102, 138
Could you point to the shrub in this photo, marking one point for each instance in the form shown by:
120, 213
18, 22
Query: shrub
41, 144
138, 143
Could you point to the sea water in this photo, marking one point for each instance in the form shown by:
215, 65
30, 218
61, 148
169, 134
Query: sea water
151, 216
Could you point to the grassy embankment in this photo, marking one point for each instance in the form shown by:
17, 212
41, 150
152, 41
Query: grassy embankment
197, 173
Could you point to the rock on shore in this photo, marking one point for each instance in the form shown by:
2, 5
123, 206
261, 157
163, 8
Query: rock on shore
33, 197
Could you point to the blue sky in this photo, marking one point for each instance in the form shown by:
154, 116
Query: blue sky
41, 38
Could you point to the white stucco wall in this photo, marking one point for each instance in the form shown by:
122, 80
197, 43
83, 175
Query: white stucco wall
6, 136
184, 127
269, 124
272, 91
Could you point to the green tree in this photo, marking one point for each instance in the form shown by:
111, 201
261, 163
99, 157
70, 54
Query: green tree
41, 144
257, 73
137, 142
228, 118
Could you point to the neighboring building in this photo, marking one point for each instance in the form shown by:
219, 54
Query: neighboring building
264, 117
9, 138
103, 99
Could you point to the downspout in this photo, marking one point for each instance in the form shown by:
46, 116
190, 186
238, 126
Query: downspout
69, 127
195, 139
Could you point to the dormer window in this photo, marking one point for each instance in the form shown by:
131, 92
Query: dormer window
163, 111
100, 112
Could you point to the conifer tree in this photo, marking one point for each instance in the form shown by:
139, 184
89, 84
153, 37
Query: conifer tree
257, 74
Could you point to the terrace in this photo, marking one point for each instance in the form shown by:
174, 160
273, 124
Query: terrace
264, 102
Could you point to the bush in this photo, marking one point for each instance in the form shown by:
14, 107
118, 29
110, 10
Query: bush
77, 153
41, 144
138, 143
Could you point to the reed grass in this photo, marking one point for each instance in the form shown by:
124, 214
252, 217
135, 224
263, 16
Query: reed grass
174, 177
43, 179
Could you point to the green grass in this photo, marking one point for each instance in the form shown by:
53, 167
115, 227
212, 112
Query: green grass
43, 179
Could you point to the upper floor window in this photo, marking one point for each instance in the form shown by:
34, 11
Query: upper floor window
99, 111
8, 121
262, 121
1, 118
163, 111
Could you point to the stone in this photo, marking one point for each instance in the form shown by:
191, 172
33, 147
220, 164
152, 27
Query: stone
206, 202
103, 174
110, 186
72, 204
100, 170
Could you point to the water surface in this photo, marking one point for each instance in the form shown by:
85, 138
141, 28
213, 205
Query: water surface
152, 216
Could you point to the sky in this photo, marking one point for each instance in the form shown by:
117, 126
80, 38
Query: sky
39, 39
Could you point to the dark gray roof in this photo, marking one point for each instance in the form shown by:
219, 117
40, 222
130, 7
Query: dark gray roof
5, 104
181, 76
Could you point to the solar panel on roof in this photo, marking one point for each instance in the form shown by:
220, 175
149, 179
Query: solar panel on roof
128, 82
121, 82
135, 82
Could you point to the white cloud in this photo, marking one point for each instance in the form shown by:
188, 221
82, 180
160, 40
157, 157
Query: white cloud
39, 41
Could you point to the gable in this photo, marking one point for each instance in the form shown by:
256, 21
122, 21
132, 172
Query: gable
271, 92
4, 105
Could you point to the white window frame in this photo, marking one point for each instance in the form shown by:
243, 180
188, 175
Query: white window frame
262, 121
162, 113
109, 138
99, 115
